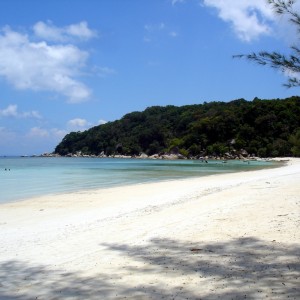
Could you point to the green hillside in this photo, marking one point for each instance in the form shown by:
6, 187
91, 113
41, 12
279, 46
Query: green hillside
261, 127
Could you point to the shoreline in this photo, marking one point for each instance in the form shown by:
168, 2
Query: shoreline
270, 164
226, 235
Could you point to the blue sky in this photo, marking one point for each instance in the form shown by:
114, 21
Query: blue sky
68, 65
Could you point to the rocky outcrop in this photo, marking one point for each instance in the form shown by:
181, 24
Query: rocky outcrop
143, 155
173, 156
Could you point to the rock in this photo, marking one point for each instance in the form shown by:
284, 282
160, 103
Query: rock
244, 152
143, 155
228, 155
169, 156
122, 156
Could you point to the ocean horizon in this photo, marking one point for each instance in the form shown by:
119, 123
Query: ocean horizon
27, 177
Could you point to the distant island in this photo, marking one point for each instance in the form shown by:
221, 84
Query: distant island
235, 129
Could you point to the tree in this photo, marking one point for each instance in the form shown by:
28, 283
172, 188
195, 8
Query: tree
288, 64
260, 126
295, 141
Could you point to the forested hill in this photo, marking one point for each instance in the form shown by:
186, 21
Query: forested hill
261, 127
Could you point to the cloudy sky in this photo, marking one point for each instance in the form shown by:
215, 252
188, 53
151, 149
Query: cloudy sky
70, 65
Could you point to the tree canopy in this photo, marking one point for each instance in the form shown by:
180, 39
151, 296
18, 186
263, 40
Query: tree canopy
261, 127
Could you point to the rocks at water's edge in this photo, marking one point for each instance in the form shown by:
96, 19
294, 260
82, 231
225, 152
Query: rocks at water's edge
241, 155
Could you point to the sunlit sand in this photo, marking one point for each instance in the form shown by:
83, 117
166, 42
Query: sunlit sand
230, 236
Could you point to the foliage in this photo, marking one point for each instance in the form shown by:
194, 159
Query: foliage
295, 141
288, 64
261, 127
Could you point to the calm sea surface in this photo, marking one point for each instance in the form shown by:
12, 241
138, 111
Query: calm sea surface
35, 176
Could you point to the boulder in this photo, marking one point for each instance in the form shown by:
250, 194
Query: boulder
154, 156
169, 156
143, 155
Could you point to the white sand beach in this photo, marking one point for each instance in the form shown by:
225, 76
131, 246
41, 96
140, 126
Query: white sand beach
232, 236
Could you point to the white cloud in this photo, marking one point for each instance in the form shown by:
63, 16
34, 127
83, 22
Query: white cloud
286, 29
78, 124
42, 133
39, 66
12, 111
101, 122
58, 133
174, 2
38, 132
173, 34
32, 114
81, 31
82, 124
6, 135
249, 18
50, 32
155, 27
36, 140
291, 74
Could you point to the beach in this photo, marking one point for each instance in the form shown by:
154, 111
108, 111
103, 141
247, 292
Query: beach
227, 236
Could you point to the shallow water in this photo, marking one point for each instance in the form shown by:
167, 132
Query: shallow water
35, 176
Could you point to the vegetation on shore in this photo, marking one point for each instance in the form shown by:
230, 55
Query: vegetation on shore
265, 128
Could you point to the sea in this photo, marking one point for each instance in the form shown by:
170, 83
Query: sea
26, 177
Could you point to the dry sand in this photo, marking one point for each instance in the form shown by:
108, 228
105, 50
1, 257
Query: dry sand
233, 236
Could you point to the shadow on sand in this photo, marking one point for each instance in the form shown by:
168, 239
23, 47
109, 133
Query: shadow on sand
244, 268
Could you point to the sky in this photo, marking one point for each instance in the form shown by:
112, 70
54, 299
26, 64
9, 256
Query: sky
68, 65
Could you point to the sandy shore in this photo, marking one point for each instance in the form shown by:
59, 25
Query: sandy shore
233, 236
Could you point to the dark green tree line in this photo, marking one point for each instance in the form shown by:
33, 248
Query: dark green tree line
261, 127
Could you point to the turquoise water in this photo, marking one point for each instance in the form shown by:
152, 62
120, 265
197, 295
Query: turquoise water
35, 176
